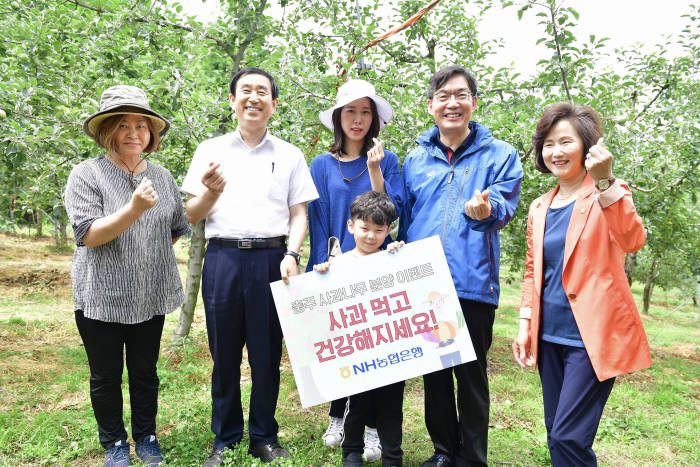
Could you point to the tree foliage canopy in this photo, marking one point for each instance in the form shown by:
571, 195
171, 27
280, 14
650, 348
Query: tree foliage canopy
57, 57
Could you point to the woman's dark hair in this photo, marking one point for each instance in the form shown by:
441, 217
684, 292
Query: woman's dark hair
373, 206
584, 119
338, 147
105, 133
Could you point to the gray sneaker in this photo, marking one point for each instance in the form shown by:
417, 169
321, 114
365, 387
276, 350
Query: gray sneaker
118, 455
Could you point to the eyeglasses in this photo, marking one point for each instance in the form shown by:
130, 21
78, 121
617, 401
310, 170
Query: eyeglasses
461, 96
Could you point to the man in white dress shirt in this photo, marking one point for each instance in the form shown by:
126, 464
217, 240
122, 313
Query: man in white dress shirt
252, 188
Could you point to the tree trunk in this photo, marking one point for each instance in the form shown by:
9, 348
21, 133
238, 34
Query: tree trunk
39, 224
649, 286
194, 276
62, 232
630, 263
12, 216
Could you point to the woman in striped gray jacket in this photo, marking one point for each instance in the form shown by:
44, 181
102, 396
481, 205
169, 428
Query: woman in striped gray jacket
126, 214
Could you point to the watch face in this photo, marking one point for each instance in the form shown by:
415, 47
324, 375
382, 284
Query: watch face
603, 184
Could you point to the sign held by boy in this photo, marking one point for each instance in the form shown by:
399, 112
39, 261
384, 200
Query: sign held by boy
371, 318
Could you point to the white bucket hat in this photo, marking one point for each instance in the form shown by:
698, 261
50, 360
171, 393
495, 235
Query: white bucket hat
124, 99
355, 89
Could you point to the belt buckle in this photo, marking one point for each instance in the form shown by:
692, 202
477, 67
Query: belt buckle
245, 244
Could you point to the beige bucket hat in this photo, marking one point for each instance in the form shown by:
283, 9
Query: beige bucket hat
124, 99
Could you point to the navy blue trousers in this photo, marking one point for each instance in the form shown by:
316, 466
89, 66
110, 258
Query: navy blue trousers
460, 430
240, 311
573, 403
105, 344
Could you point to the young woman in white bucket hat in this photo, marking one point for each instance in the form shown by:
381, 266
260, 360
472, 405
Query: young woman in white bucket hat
354, 164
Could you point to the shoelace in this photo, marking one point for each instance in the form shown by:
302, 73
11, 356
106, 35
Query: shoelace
120, 452
372, 440
335, 426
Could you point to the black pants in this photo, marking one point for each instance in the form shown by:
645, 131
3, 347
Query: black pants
460, 430
338, 406
105, 343
240, 311
388, 402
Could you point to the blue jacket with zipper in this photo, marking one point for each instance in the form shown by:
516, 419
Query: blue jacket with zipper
436, 191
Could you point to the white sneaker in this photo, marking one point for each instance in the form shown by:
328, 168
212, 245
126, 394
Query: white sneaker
334, 433
373, 447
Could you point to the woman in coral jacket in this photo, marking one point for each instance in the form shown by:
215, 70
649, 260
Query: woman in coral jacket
578, 319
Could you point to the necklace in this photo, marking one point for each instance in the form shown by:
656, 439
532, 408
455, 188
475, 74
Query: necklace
131, 171
345, 179
564, 198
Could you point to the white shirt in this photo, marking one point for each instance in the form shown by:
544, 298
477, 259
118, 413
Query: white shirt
262, 183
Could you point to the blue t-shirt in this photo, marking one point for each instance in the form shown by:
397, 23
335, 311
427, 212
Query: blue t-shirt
328, 215
558, 324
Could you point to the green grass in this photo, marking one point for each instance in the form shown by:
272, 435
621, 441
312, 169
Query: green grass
46, 417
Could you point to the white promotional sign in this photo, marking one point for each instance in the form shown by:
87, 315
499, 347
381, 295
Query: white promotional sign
371, 321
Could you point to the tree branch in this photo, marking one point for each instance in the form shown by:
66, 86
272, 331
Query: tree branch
159, 22
658, 94
399, 56
248, 39
556, 42
643, 190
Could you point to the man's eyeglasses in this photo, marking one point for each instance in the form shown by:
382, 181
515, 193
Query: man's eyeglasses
461, 96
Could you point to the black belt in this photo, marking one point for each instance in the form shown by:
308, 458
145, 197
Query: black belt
250, 243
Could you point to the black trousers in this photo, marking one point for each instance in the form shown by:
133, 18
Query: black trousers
460, 430
240, 311
338, 406
388, 402
105, 343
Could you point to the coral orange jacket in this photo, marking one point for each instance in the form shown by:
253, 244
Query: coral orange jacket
603, 227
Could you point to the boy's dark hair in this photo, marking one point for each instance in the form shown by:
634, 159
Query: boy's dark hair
441, 76
338, 146
584, 119
373, 206
274, 89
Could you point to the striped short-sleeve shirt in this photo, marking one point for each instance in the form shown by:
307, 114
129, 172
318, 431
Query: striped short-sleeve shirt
133, 277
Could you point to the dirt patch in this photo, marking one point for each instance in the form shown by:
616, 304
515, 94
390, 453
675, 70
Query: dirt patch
31, 266
686, 351
682, 350
39, 280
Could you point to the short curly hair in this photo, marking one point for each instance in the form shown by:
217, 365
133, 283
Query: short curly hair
583, 118
373, 206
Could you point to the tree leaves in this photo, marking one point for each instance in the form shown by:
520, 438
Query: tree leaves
57, 57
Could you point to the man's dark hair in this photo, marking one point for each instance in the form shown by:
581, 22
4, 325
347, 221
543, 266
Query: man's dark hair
373, 206
584, 119
274, 89
338, 146
441, 76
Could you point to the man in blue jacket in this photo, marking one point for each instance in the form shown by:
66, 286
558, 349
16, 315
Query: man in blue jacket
463, 185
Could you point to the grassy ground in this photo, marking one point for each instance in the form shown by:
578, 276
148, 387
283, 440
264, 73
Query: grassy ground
46, 417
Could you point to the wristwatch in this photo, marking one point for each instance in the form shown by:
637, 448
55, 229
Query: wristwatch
604, 183
294, 255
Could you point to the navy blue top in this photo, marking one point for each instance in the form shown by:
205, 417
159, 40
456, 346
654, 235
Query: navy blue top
558, 324
328, 215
